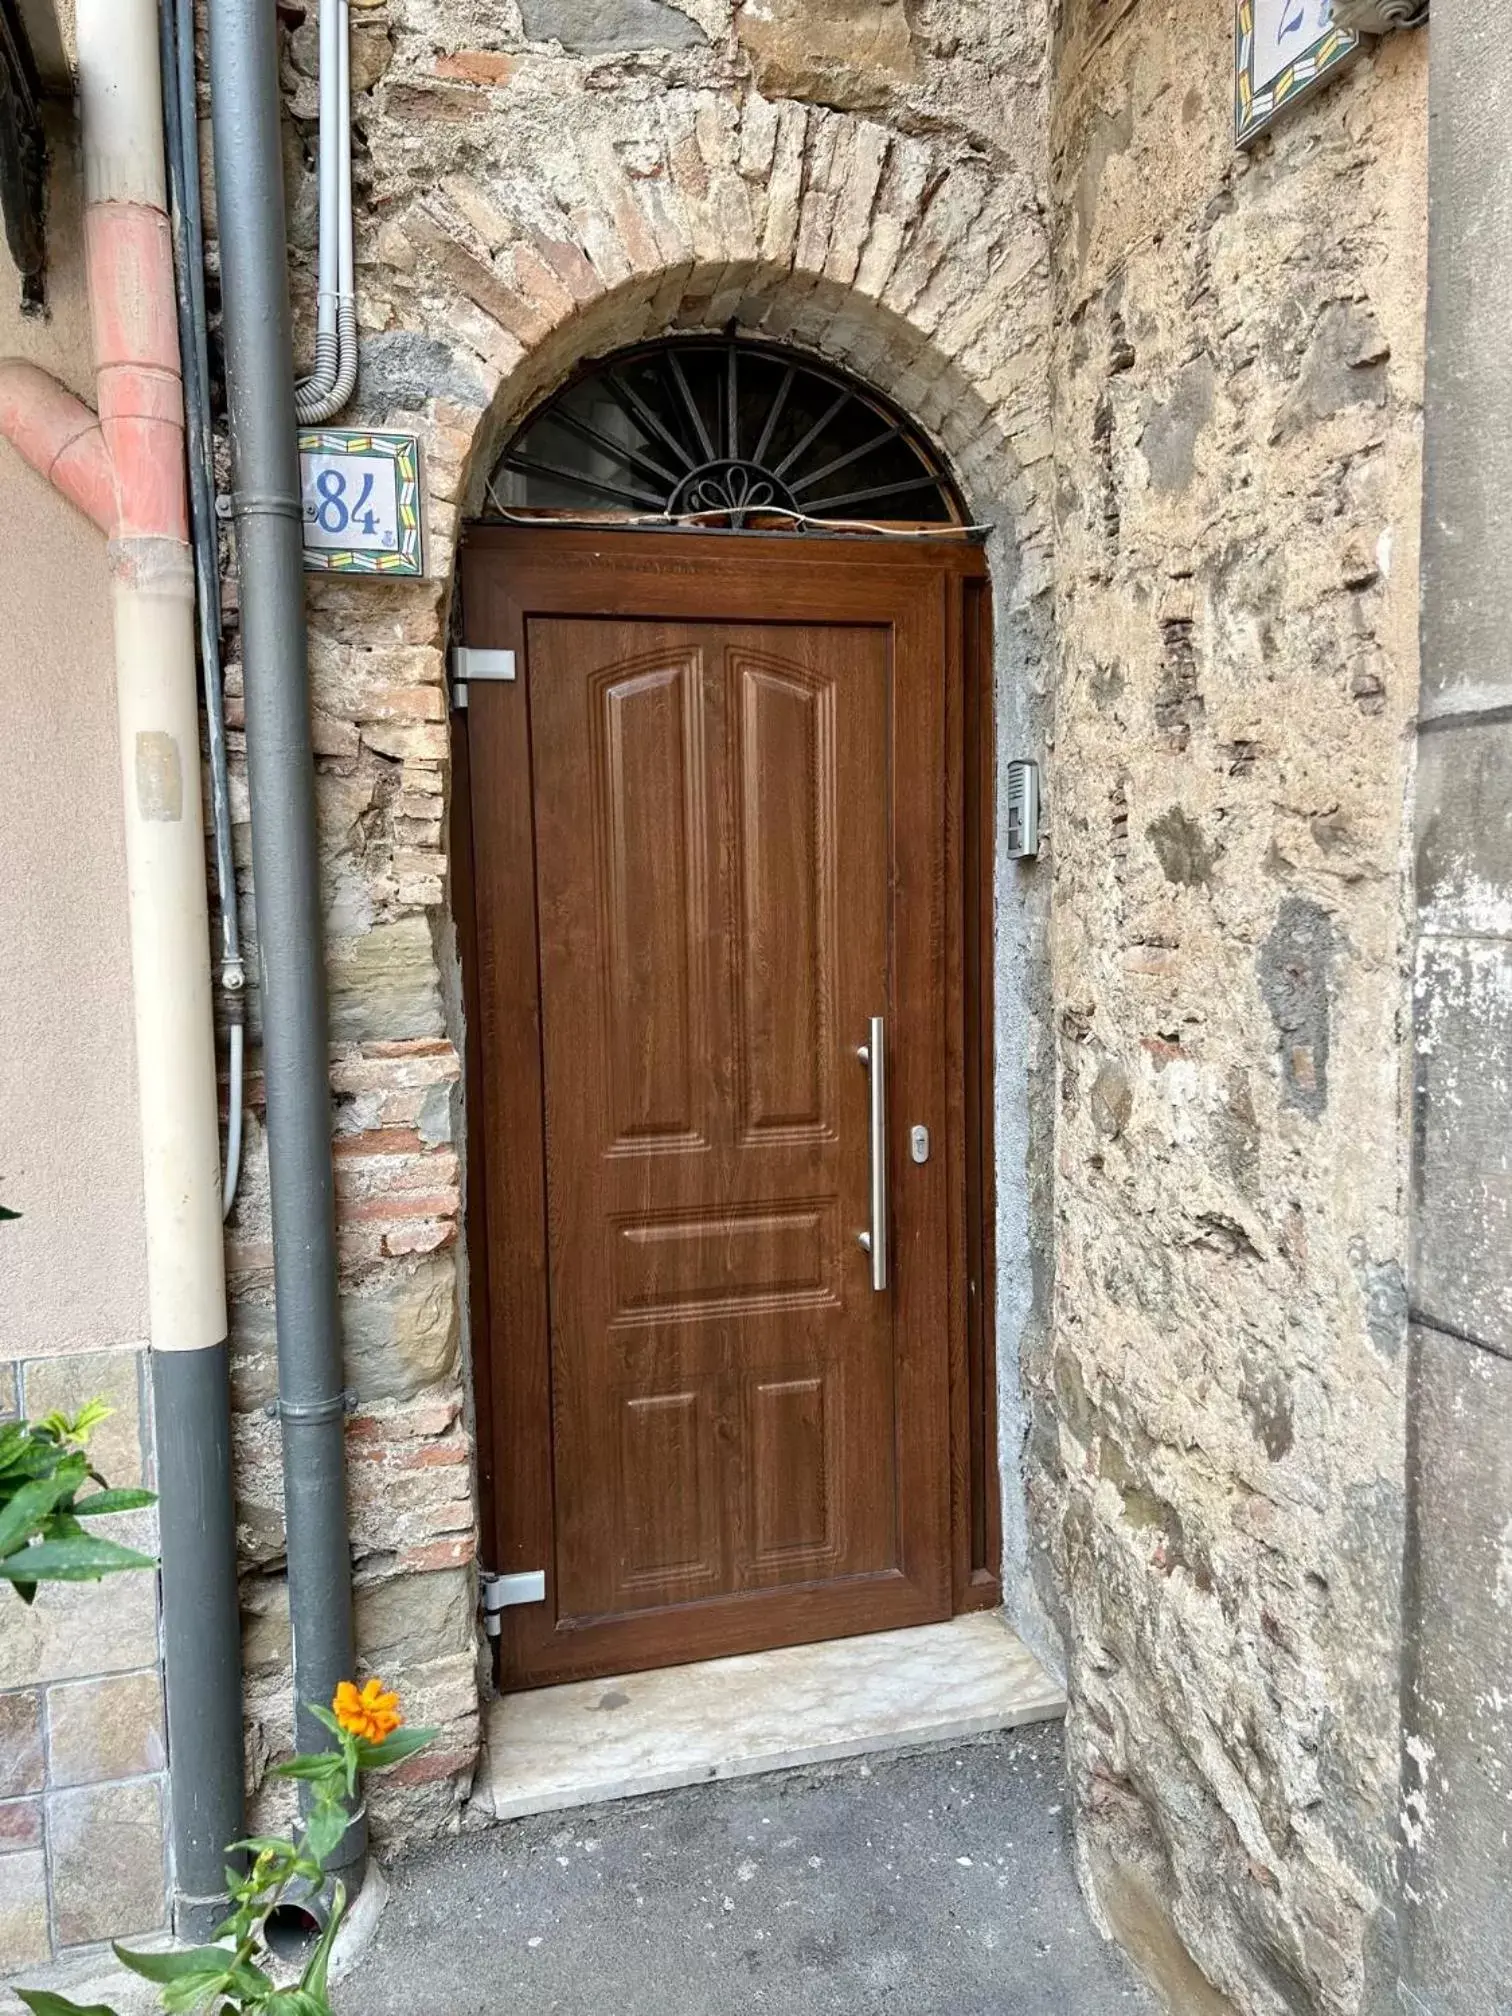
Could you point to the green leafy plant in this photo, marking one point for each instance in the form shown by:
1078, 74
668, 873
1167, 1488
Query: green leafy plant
232, 1977
43, 1469
48, 1488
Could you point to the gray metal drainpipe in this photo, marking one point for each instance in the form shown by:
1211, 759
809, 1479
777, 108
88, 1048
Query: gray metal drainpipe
245, 110
1457, 1862
191, 1396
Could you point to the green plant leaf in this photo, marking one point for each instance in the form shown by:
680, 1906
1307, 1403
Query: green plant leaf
72, 1560
195, 1963
188, 1980
393, 1749
325, 1765
42, 2001
74, 1465
248, 1982
28, 1510
324, 1829
345, 1755
121, 1499
36, 1455
15, 1440
180, 1997
263, 1844
79, 1427
313, 1980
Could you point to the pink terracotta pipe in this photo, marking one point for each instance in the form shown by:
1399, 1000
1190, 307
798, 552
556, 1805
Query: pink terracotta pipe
137, 373
59, 436
123, 468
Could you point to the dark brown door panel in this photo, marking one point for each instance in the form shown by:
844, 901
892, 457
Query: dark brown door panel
708, 847
714, 937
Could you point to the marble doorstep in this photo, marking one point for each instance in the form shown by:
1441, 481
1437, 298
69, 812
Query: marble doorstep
730, 1718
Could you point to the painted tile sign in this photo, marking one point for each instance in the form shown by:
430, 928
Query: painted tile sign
360, 502
1283, 50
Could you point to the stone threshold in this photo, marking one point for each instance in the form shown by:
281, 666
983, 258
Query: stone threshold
593, 1741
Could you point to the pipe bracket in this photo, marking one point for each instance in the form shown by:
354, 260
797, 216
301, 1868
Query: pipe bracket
311, 1413
266, 504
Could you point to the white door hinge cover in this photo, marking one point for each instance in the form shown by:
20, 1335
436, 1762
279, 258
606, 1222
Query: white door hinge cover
507, 1592
468, 662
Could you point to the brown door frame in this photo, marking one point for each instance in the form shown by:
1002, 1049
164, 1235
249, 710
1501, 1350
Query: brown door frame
941, 585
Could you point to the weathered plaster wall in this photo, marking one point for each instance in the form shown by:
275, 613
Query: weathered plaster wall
1238, 357
66, 1057
81, 1725
537, 184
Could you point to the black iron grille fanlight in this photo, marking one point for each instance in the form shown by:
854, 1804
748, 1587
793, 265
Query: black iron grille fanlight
720, 431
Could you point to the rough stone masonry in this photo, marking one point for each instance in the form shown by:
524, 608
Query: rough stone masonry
1182, 385
1237, 383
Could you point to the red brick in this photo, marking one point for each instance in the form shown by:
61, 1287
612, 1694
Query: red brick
435, 1555
426, 1766
433, 1453
431, 1204
476, 66
381, 1141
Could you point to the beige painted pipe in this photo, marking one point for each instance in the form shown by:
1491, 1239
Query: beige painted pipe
157, 705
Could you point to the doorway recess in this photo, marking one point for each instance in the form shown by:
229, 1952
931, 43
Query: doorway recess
722, 847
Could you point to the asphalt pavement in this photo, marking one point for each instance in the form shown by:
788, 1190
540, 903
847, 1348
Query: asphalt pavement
938, 1883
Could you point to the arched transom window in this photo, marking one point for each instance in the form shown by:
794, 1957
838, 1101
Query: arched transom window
724, 432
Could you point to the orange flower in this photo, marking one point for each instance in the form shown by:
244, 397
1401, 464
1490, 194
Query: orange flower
372, 1714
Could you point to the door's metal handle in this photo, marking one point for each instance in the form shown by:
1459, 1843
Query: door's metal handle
873, 1055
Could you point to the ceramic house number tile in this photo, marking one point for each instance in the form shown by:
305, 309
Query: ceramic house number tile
360, 502
1283, 50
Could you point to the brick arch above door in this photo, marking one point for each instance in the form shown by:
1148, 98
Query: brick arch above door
902, 259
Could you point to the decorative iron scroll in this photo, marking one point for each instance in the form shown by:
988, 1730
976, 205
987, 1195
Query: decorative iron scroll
721, 431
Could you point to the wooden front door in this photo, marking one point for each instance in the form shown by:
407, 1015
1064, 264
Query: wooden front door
708, 852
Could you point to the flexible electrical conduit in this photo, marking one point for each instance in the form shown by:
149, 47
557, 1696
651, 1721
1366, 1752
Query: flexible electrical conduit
322, 395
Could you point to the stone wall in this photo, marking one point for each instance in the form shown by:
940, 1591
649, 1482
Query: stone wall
381, 744
1238, 359
538, 184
